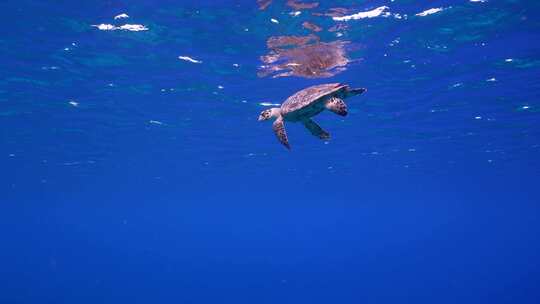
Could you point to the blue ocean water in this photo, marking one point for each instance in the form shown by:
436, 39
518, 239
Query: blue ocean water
134, 170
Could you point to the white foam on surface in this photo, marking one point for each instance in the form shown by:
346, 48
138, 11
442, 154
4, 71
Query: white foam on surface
133, 27
121, 16
125, 27
430, 11
187, 58
105, 27
379, 11
295, 13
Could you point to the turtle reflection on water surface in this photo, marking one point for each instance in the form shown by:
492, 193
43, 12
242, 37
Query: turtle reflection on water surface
303, 57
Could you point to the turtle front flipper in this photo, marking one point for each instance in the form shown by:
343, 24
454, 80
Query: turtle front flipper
337, 106
279, 129
315, 129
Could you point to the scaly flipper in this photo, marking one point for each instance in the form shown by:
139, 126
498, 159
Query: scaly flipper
279, 128
337, 106
315, 129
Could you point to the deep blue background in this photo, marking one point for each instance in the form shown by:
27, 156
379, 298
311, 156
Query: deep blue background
427, 192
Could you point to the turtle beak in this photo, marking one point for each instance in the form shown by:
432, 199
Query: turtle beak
261, 118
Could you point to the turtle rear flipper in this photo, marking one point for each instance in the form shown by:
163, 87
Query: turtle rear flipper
337, 106
315, 129
354, 92
279, 129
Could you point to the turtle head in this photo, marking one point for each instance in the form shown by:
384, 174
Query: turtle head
269, 114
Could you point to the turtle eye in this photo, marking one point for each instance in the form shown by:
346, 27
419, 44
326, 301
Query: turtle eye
264, 115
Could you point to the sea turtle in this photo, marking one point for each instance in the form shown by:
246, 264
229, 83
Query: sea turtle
307, 103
